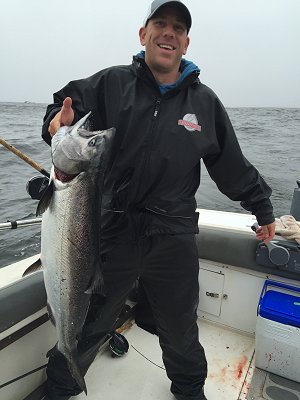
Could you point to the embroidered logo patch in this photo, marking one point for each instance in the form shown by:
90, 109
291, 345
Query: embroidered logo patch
190, 123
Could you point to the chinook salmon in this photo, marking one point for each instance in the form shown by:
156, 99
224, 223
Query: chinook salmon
70, 243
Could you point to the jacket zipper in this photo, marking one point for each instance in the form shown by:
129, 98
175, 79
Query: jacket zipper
147, 156
157, 106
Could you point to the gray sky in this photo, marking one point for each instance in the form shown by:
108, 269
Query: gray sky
248, 50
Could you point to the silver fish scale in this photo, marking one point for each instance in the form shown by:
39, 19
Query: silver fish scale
68, 255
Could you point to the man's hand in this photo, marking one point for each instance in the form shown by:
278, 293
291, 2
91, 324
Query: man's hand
64, 117
266, 232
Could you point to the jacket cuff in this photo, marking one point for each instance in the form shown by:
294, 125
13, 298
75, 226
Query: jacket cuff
265, 219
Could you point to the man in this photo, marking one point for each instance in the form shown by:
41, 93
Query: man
166, 122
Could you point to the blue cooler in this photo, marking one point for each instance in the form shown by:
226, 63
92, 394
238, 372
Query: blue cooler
277, 338
278, 306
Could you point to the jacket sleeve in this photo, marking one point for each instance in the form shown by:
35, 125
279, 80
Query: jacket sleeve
234, 175
84, 93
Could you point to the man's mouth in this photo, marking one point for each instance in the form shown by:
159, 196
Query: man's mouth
166, 46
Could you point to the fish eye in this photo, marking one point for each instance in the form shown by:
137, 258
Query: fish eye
92, 142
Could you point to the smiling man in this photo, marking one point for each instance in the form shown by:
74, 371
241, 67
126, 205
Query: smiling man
166, 121
165, 37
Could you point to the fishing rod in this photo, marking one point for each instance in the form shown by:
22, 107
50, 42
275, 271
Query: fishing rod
24, 157
20, 223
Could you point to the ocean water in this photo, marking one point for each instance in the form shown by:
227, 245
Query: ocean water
269, 138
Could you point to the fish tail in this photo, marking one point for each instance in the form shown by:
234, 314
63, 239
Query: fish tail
75, 370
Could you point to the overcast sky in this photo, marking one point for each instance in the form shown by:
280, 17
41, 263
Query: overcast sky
248, 50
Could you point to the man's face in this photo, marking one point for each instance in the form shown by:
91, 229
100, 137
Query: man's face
165, 40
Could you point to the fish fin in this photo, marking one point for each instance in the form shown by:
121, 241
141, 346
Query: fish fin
45, 199
52, 352
95, 308
36, 266
96, 286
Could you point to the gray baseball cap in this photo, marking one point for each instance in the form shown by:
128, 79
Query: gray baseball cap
157, 4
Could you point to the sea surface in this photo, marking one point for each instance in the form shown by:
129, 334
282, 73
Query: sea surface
269, 138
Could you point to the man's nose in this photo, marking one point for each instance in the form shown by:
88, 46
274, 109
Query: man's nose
169, 31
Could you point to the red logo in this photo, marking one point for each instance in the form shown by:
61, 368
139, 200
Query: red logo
190, 123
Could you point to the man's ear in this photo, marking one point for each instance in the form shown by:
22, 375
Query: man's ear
142, 34
186, 45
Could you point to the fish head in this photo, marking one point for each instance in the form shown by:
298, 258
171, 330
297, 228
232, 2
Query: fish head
74, 147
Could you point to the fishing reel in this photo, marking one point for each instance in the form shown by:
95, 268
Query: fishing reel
118, 344
36, 186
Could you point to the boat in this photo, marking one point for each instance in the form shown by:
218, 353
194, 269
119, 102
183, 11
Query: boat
235, 274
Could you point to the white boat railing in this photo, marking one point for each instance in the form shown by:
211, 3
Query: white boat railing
20, 223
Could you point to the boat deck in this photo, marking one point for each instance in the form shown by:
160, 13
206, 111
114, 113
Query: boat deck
140, 373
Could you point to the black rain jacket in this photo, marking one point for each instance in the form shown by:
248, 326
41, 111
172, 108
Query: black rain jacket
160, 140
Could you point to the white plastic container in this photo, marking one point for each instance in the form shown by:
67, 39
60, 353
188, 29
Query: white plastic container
277, 348
277, 338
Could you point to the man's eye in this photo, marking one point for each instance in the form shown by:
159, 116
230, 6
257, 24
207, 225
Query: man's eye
179, 28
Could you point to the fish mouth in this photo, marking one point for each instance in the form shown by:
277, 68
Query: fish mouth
62, 176
83, 123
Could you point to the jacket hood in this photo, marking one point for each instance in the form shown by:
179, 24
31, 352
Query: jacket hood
186, 68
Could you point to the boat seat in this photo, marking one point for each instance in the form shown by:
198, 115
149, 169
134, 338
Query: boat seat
21, 299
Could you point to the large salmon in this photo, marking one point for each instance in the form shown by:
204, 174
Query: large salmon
70, 243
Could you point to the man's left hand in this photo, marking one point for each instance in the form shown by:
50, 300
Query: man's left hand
266, 232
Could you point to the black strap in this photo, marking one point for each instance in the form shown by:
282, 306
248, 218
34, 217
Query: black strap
14, 224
